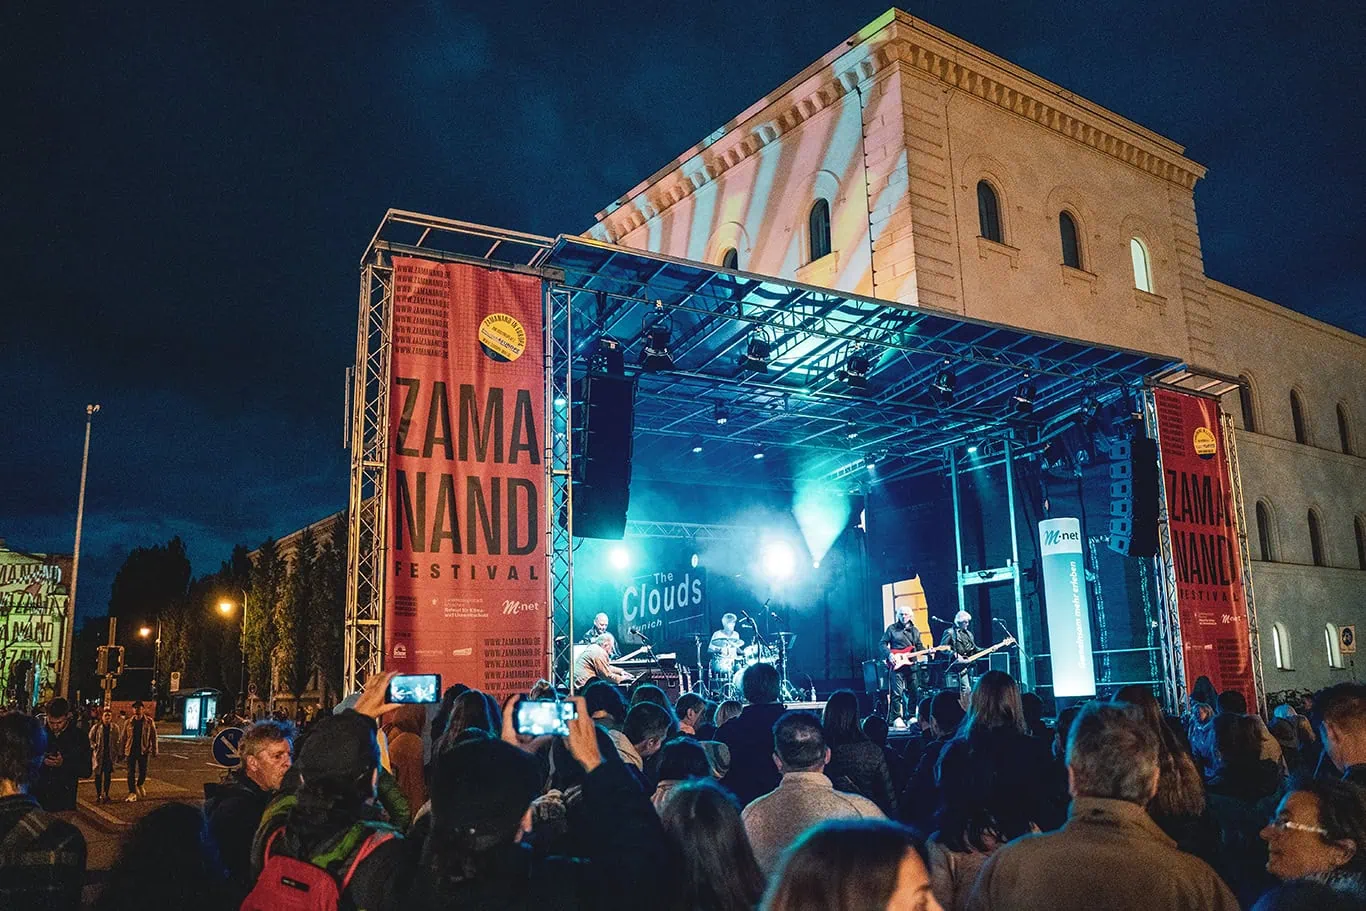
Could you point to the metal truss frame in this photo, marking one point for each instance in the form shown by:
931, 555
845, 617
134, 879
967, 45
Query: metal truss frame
1245, 555
687, 531
1164, 567
559, 462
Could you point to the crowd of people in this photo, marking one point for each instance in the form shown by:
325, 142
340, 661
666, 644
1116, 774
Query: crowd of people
689, 805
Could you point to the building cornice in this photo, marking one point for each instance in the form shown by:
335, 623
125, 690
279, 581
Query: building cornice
1279, 311
895, 39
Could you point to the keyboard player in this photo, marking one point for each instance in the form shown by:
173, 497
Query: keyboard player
593, 662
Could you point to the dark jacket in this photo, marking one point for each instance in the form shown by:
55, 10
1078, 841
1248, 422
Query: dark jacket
42, 859
56, 785
861, 767
1014, 771
898, 636
234, 812
1240, 799
920, 798
625, 855
750, 738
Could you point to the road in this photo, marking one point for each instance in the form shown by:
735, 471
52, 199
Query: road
179, 773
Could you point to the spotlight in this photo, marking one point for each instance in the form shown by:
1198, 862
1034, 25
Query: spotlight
944, 386
619, 557
696, 444
850, 430
695, 561
855, 370
759, 453
559, 401
657, 356
608, 359
778, 560
721, 413
1023, 399
972, 449
757, 352
815, 564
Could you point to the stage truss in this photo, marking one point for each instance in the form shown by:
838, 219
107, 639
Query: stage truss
802, 411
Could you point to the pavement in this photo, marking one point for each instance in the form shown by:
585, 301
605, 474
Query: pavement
177, 774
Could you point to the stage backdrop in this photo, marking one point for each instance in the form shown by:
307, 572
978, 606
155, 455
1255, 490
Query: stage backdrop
467, 596
1208, 562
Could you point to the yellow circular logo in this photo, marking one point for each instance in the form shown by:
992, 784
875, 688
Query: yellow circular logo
501, 337
1204, 443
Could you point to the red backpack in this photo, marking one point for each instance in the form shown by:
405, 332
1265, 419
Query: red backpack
290, 884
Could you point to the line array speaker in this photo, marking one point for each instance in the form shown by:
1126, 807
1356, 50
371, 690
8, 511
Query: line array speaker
1133, 497
604, 425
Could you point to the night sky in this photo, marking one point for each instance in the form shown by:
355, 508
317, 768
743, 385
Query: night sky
186, 194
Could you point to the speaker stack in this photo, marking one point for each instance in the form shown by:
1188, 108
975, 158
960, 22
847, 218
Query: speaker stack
1133, 497
604, 424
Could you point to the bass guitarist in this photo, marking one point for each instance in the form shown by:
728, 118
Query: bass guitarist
961, 642
901, 635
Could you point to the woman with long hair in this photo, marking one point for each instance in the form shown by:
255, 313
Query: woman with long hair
994, 705
856, 763
1179, 806
852, 865
719, 869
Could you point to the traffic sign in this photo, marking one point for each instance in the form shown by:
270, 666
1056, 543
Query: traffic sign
175, 680
251, 689
225, 747
1347, 640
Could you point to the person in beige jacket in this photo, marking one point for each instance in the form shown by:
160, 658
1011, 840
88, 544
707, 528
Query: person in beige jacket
1110, 854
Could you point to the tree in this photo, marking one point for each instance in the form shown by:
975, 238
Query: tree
265, 591
327, 609
152, 585
293, 651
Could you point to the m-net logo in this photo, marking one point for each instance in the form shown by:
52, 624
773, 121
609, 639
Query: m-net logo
1055, 536
1059, 536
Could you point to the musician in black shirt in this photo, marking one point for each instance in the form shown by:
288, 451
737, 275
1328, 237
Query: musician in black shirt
960, 639
902, 634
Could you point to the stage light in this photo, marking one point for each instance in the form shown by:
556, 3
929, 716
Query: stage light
695, 561
850, 430
815, 564
608, 359
972, 449
559, 401
696, 445
945, 385
657, 356
855, 370
721, 413
619, 557
757, 352
778, 560
758, 453
1023, 399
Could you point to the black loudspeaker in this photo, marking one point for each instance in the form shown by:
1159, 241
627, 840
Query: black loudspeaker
604, 424
1133, 497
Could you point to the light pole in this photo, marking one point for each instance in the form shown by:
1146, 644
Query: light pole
144, 632
67, 653
226, 607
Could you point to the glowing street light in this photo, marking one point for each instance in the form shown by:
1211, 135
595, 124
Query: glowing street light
145, 631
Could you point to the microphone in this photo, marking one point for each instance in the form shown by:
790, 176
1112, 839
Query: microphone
940, 620
639, 635
1003, 626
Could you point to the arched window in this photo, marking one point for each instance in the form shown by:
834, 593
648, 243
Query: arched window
1264, 540
730, 259
1297, 418
1280, 643
988, 212
1360, 524
1245, 400
1143, 273
1344, 429
1071, 249
818, 229
1330, 638
1316, 540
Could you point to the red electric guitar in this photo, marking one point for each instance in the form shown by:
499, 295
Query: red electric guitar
898, 658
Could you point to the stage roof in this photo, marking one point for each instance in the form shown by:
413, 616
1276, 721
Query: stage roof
807, 419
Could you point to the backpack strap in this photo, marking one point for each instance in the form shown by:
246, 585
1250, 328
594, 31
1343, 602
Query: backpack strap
372, 842
265, 854
26, 831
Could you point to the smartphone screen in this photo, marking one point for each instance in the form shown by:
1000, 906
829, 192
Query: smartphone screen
414, 688
538, 717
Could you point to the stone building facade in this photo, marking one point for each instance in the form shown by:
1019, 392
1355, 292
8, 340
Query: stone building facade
912, 166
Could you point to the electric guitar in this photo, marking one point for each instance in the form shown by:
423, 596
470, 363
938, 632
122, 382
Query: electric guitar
898, 658
968, 659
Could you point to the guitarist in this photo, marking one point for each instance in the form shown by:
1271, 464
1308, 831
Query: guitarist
902, 634
961, 641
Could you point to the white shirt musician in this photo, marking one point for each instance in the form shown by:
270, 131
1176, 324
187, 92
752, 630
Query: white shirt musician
592, 662
899, 635
725, 645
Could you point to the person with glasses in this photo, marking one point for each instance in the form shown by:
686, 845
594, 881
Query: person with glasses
1319, 830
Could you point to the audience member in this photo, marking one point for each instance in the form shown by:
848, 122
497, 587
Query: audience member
728, 709
66, 762
856, 763
1342, 713
648, 692
750, 736
475, 857
852, 865
1313, 895
404, 730
169, 861
1061, 729
1234, 702
719, 870
647, 727
330, 823
876, 729
139, 745
1241, 797
1319, 829
105, 741
42, 858
234, 809
919, 800
804, 795
1178, 807
442, 718
1110, 854
680, 760
691, 709
1033, 715
1010, 769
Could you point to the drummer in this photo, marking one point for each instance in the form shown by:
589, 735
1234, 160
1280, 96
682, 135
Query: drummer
725, 646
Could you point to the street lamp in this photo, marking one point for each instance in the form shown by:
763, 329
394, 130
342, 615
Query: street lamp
226, 607
144, 632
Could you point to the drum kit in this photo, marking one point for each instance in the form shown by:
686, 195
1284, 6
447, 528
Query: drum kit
727, 669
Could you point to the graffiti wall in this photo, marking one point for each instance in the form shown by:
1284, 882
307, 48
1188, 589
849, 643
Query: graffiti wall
34, 593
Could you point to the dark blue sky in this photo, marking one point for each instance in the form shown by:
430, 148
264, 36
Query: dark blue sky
185, 196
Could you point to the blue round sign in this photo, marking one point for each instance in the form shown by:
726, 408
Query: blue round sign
225, 747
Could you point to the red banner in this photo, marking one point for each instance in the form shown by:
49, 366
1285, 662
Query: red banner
1205, 551
467, 596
